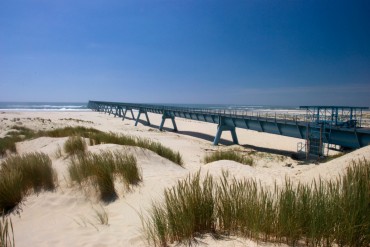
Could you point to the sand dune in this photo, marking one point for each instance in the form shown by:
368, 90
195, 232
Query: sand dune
67, 216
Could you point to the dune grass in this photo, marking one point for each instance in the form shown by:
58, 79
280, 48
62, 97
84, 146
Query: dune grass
8, 144
99, 170
98, 137
320, 214
188, 211
6, 232
101, 215
95, 136
23, 174
17, 134
75, 145
228, 155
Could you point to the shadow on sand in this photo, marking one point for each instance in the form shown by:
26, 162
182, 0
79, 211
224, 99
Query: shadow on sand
210, 138
203, 136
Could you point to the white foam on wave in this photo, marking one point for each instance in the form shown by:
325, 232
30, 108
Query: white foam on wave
45, 110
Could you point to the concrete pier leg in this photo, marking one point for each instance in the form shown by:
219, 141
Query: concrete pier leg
147, 118
138, 116
234, 136
174, 124
162, 123
164, 117
137, 119
124, 114
222, 128
132, 114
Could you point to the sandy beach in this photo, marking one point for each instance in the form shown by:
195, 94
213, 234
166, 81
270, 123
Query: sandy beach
67, 216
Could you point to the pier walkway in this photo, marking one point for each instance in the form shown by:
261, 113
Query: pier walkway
331, 125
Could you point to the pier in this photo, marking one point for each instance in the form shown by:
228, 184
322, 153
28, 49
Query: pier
320, 127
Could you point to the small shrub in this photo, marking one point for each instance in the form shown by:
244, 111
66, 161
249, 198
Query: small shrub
228, 155
6, 232
75, 145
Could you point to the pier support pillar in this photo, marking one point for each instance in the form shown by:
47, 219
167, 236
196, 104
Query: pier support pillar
164, 117
220, 128
118, 112
124, 114
138, 116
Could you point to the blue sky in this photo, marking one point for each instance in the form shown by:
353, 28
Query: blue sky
252, 52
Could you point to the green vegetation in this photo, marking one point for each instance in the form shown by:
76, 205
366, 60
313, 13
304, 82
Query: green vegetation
17, 134
99, 171
22, 174
228, 155
6, 232
188, 210
320, 214
75, 145
95, 136
69, 131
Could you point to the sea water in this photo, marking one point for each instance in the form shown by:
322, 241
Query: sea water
43, 106
82, 106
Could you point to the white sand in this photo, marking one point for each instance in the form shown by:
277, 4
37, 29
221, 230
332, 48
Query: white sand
66, 217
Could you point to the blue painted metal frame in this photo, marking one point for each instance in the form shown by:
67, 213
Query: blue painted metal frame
229, 120
222, 126
128, 109
166, 115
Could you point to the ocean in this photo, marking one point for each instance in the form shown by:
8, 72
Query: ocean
82, 106
43, 106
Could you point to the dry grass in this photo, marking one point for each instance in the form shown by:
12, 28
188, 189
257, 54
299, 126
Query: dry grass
6, 232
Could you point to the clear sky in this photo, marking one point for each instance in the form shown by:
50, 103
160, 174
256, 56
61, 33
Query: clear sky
255, 52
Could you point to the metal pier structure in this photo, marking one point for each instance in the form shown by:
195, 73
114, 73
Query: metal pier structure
321, 126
